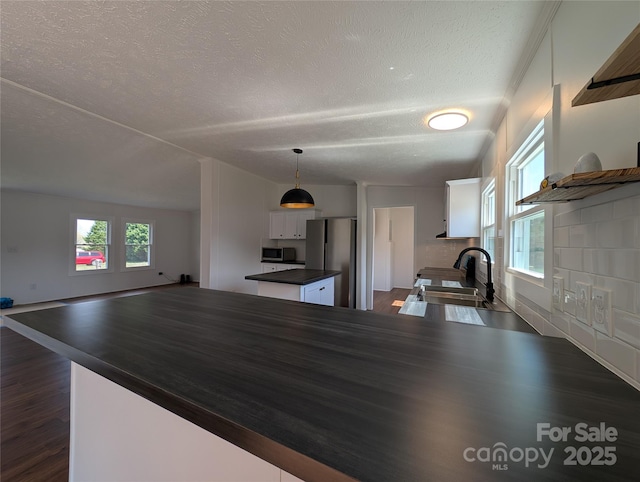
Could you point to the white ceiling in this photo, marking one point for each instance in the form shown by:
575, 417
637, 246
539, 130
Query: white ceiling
116, 100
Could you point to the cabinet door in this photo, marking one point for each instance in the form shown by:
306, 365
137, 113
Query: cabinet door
463, 208
290, 225
301, 229
312, 294
320, 292
276, 225
269, 267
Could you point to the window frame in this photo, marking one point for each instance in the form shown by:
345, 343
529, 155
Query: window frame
488, 193
527, 151
123, 261
73, 249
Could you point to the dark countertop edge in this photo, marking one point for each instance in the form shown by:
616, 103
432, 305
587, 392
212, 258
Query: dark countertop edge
275, 278
284, 262
266, 449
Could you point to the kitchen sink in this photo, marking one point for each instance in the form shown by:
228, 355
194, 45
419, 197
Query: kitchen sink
449, 295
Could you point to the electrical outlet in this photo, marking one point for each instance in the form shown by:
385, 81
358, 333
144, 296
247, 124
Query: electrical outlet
558, 293
583, 302
601, 315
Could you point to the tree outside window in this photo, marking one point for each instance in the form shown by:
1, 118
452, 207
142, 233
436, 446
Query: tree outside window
137, 244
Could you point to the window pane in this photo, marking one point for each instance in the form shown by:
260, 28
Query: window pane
488, 241
528, 243
531, 174
137, 245
92, 248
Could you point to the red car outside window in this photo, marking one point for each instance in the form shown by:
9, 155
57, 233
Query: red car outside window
90, 257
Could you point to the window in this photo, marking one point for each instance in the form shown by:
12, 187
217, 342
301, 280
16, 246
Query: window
92, 244
525, 170
138, 238
489, 219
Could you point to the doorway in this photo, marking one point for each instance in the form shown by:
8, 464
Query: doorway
393, 248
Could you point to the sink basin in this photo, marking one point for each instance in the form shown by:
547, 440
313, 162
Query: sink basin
448, 295
453, 296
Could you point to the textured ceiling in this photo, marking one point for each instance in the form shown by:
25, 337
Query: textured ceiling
116, 101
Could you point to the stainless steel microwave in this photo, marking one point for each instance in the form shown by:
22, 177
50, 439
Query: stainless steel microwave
278, 254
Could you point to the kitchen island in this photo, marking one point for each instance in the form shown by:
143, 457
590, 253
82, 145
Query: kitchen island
306, 285
329, 393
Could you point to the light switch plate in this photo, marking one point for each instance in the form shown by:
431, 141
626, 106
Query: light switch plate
558, 293
583, 302
601, 315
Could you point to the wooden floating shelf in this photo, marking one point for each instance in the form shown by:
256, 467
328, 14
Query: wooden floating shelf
582, 185
618, 76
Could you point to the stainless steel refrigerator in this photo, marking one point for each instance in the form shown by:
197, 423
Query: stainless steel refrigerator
331, 244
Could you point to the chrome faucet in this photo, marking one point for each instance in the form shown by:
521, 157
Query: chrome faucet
490, 291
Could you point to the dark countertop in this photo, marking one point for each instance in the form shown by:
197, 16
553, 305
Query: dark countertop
284, 262
294, 276
330, 393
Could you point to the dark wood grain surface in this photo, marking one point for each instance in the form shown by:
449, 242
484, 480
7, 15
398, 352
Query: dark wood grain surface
34, 411
330, 393
294, 276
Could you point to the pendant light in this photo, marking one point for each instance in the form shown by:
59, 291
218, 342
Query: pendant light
297, 198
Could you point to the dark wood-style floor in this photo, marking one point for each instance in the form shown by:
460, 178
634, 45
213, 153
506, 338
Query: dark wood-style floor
34, 411
34, 401
383, 301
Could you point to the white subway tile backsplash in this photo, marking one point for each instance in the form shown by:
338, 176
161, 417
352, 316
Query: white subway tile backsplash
560, 321
561, 237
569, 258
575, 276
599, 245
550, 330
623, 292
567, 219
616, 263
585, 335
619, 354
626, 207
595, 214
597, 261
627, 327
530, 316
582, 236
619, 233
626, 264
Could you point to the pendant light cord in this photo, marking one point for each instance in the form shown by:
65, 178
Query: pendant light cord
297, 172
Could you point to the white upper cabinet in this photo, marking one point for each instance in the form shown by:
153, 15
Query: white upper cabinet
276, 225
463, 208
290, 224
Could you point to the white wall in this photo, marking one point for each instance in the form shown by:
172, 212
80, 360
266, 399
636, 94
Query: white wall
589, 234
381, 267
36, 239
234, 224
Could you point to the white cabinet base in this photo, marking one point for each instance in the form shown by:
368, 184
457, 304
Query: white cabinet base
321, 292
117, 435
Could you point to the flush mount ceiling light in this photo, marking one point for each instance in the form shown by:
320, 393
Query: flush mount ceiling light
297, 198
446, 121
